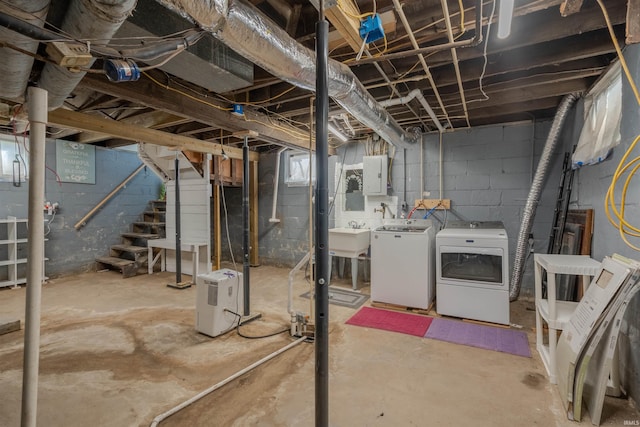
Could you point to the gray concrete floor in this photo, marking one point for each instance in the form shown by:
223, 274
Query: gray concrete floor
118, 352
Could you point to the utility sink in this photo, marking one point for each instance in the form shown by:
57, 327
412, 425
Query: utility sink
349, 242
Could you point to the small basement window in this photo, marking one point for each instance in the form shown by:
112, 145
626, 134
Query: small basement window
14, 158
297, 168
601, 130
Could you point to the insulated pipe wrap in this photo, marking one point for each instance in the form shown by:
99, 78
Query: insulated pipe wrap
534, 194
250, 33
15, 66
95, 19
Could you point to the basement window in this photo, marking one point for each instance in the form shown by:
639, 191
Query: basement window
297, 168
601, 130
13, 158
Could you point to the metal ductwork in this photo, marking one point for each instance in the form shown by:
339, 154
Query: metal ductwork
85, 19
534, 194
250, 33
15, 66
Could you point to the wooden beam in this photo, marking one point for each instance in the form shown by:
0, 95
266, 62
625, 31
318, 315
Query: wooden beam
515, 108
342, 14
569, 7
530, 32
527, 94
71, 119
151, 120
633, 21
254, 257
202, 109
389, 23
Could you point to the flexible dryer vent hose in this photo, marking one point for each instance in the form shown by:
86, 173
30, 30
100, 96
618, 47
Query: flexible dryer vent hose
534, 194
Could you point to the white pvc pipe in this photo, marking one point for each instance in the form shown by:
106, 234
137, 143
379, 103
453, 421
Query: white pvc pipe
298, 266
414, 43
440, 166
276, 180
37, 105
213, 388
415, 94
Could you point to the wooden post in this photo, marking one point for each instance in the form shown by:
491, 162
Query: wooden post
254, 258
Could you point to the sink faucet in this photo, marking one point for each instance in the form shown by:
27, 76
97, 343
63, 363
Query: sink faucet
353, 224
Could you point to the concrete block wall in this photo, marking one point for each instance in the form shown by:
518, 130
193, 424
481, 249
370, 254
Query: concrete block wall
285, 242
487, 173
71, 251
591, 186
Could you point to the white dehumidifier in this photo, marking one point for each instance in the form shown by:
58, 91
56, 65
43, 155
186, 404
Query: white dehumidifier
215, 292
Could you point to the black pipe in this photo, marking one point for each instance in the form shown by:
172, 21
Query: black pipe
322, 224
245, 225
178, 242
142, 53
26, 28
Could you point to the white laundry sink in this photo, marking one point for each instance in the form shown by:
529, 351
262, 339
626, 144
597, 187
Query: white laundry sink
349, 242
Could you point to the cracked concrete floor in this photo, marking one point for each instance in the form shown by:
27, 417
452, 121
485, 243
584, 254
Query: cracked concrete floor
117, 352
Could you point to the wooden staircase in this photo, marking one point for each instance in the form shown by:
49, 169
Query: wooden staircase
131, 255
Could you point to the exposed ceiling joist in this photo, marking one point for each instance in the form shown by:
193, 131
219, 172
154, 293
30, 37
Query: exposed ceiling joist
202, 109
71, 119
151, 120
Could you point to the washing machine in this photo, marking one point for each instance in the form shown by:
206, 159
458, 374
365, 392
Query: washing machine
472, 264
402, 262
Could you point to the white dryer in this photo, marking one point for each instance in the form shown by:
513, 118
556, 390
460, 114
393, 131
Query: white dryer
472, 264
402, 263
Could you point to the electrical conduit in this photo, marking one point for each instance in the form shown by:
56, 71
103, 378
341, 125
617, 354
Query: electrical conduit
534, 194
215, 387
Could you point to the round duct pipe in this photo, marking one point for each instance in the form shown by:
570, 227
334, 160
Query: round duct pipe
15, 67
534, 194
95, 19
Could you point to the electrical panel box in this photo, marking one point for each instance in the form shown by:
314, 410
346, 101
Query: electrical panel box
218, 293
374, 175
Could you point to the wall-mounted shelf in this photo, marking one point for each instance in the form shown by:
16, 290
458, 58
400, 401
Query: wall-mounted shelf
13, 244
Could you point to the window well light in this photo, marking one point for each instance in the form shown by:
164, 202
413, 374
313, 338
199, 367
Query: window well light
341, 136
504, 18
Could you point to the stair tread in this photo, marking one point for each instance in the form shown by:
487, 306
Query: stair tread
140, 235
116, 262
129, 248
154, 212
149, 223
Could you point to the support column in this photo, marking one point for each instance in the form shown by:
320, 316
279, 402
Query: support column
254, 258
37, 106
322, 225
245, 224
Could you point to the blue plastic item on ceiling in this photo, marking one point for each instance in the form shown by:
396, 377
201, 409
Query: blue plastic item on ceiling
238, 110
371, 29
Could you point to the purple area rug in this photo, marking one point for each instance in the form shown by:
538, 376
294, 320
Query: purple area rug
405, 323
487, 337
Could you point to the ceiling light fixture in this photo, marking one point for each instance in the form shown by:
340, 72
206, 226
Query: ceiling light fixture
504, 18
341, 136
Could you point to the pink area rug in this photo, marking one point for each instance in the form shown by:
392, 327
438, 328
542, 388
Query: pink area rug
405, 323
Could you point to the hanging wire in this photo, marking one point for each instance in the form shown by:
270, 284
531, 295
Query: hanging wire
615, 214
